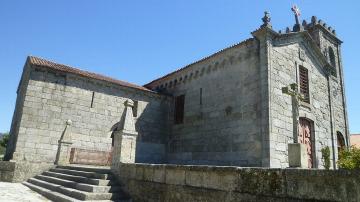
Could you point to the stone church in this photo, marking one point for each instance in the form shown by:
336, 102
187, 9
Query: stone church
231, 108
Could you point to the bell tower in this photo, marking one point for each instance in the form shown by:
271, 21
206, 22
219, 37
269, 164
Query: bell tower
326, 39
330, 45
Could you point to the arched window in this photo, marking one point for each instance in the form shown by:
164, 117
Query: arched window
340, 141
332, 57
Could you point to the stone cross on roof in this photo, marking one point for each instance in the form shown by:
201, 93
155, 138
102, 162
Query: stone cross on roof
296, 10
297, 26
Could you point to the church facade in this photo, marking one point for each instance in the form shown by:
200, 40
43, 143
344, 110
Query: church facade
226, 109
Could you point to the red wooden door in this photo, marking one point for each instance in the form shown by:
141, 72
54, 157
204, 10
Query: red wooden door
305, 138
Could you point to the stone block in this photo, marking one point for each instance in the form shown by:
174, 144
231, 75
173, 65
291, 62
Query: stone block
159, 174
297, 155
174, 175
220, 178
194, 178
148, 173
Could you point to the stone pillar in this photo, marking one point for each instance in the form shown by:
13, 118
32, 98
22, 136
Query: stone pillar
63, 153
125, 137
297, 155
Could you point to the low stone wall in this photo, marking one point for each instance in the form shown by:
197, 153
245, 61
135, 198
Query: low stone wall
148, 182
21, 171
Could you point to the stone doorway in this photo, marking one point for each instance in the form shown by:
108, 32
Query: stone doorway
305, 137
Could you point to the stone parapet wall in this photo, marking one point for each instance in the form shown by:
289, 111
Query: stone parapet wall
148, 182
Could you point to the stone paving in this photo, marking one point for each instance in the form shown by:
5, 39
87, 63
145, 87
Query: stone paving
16, 192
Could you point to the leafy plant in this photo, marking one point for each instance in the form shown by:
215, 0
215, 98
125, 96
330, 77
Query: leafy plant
326, 157
5, 139
349, 159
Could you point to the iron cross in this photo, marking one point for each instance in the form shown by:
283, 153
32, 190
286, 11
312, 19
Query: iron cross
296, 96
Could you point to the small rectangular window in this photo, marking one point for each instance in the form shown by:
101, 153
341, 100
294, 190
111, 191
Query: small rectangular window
179, 109
304, 83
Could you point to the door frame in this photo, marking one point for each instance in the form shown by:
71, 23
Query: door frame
313, 141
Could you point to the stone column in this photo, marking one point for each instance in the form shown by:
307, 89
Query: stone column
63, 153
125, 137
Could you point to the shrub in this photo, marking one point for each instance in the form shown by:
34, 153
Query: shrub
349, 159
5, 139
3, 143
326, 157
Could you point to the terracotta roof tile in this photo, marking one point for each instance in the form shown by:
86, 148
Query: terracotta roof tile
64, 68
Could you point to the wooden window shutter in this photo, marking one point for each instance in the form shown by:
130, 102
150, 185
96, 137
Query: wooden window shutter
304, 83
179, 109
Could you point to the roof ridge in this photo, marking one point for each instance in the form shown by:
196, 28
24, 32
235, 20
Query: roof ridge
34, 60
200, 60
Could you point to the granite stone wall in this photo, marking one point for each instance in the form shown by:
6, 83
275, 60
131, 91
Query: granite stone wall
146, 182
287, 55
95, 108
221, 113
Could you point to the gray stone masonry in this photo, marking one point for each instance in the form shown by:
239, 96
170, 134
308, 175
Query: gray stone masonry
49, 98
235, 113
175, 183
222, 109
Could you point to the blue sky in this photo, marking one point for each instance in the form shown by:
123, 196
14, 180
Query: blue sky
138, 41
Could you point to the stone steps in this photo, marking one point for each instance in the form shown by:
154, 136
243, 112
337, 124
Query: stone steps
83, 173
80, 179
87, 169
72, 183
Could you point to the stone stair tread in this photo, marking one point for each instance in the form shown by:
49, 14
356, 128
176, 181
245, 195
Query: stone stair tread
80, 179
77, 194
52, 195
82, 173
79, 186
99, 169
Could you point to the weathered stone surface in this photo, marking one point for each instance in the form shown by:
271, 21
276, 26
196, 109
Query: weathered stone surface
47, 99
234, 111
213, 183
297, 155
21, 171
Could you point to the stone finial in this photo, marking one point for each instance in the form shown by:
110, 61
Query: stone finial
266, 20
129, 103
287, 30
128, 122
279, 31
68, 122
334, 32
314, 20
320, 22
304, 23
330, 29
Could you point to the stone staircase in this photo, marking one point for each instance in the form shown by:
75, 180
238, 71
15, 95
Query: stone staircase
78, 183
